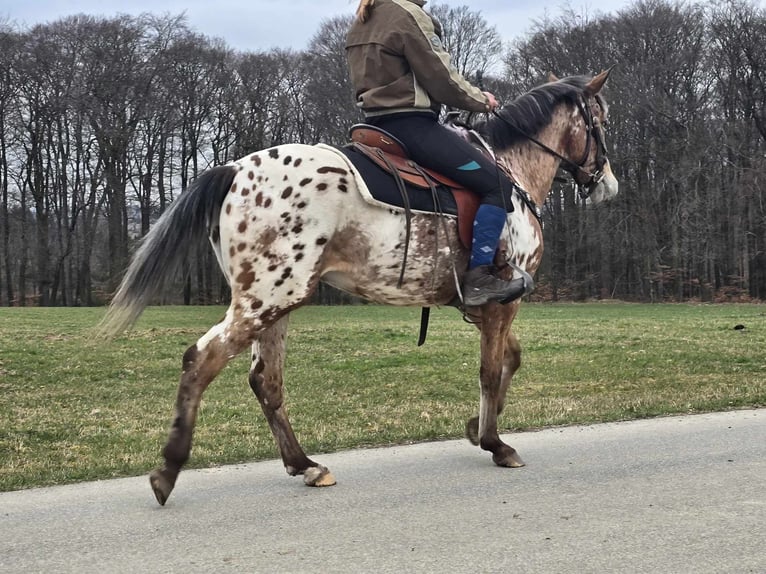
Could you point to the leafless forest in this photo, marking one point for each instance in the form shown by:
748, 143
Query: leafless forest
103, 122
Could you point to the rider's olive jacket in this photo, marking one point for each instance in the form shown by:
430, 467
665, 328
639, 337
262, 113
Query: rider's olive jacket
398, 64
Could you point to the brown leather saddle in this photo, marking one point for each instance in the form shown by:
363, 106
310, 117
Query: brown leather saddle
391, 155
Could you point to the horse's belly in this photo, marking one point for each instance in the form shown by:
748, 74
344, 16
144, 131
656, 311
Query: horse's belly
431, 287
366, 260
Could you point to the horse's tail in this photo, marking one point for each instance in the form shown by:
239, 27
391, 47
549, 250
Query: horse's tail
162, 253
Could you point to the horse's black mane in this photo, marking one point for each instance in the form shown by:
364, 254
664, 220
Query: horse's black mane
531, 111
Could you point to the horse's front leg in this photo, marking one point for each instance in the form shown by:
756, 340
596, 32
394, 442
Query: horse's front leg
266, 374
500, 358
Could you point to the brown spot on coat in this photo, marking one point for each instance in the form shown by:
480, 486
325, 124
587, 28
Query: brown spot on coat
286, 193
321, 186
348, 246
329, 169
228, 208
265, 239
288, 159
241, 247
297, 162
247, 276
274, 153
256, 160
305, 181
242, 226
259, 199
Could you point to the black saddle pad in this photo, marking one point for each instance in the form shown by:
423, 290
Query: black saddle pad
383, 187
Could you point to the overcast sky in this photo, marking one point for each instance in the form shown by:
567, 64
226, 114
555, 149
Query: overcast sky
256, 25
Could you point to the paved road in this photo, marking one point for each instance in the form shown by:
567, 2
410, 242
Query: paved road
670, 495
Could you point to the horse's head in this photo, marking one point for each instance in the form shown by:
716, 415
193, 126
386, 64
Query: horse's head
565, 120
592, 173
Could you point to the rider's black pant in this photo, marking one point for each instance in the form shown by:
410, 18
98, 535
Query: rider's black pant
439, 148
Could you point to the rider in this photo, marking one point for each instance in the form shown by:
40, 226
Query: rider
402, 75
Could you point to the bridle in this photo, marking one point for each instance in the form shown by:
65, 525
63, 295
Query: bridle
586, 180
595, 134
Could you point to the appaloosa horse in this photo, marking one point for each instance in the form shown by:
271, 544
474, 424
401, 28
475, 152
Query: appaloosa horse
283, 219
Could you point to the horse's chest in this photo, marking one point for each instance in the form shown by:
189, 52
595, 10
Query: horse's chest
524, 238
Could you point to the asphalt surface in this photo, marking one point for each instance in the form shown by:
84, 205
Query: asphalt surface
670, 495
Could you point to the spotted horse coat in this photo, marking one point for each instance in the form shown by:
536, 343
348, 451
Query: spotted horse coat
283, 219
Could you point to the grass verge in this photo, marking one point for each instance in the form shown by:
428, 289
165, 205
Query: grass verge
76, 408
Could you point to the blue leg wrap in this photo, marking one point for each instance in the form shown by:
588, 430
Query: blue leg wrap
487, 227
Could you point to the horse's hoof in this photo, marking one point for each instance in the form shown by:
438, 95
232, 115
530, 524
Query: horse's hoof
508, 459
162, 485
472, 431
318, 476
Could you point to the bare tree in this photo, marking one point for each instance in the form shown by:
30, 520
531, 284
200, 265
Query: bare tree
330, 101
104, 121
10, 52
474, 46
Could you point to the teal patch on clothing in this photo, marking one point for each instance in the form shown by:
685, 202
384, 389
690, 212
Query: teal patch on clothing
470, 166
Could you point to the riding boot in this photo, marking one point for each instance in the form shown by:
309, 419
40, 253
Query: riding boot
479, 284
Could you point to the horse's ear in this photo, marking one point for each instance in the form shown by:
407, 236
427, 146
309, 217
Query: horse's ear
552, 77
594, 86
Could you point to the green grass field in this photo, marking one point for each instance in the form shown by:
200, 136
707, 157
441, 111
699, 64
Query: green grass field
73, 407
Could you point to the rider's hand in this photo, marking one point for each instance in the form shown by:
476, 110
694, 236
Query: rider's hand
491, 101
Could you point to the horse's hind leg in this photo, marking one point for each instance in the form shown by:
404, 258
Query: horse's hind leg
201, 363
266, 372
500, 358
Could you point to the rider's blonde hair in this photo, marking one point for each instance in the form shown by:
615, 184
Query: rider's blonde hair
363, 10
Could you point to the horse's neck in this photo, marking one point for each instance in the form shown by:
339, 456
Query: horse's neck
535, 167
